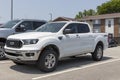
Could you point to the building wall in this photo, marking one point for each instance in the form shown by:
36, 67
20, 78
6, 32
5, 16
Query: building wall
103, 25
59, 19
90, 23
116, 27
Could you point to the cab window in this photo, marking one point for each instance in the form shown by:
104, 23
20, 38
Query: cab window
72, 27
24, 26
27, 25
37, 24
83, 28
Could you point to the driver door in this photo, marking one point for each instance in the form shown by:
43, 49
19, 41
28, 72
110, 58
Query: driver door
70, 41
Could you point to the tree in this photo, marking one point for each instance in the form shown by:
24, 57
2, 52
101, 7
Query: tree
85, 13
79, 15
112, 6
91, 12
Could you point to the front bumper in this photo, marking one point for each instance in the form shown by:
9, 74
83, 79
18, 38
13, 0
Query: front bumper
22, 56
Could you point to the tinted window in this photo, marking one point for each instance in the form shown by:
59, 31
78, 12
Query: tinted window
73, 27
83, 28
37, 24
10, 24
27, 25
51, 27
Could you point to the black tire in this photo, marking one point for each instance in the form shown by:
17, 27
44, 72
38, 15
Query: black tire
17, 63
2, 53
97, 55
43, 63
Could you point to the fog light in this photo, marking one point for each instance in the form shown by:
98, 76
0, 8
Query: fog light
30, 54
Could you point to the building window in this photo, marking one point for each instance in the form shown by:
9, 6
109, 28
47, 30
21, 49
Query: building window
109, 23
97, 21
96, 28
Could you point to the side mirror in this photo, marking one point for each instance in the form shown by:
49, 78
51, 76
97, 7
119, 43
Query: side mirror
67, 31
21, 28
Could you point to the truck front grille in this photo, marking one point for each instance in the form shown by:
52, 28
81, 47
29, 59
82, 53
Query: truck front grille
14, 43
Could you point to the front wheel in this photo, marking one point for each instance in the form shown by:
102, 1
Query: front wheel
2, 53
48, 61
97, 55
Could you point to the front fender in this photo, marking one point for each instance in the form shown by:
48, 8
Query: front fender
48, 41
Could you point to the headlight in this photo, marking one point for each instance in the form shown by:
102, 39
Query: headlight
30, 41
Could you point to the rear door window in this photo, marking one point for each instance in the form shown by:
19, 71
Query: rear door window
83, 28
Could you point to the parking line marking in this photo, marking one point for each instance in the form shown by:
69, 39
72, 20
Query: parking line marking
4, 62
75, 69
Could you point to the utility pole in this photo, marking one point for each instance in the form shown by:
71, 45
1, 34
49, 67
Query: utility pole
50, 16
11, 9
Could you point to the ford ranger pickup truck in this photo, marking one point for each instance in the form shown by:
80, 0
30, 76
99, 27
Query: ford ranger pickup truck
54, 41
15, 27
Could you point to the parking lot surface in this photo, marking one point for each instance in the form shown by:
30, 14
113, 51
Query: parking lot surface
80, 68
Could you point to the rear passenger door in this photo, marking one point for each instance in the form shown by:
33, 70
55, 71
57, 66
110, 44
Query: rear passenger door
86, 39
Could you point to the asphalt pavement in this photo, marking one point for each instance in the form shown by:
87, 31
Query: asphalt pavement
80, 68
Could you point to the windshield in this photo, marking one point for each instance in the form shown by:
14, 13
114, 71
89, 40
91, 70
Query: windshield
10, 24
51, 27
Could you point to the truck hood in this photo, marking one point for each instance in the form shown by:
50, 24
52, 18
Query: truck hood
31, 35
5, 32
5, 29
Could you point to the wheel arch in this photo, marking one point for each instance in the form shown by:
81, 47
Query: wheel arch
99, 43
51, 46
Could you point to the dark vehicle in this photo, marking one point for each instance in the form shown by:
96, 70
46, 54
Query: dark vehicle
15, 27
112, 41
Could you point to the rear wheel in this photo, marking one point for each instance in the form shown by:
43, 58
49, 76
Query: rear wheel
48, 60
97, 55
2, 53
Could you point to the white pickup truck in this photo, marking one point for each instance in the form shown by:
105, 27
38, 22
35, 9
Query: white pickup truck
54, 41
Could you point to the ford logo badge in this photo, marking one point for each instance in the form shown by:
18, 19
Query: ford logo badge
12, 43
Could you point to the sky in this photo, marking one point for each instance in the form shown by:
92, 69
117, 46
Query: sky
41, 9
